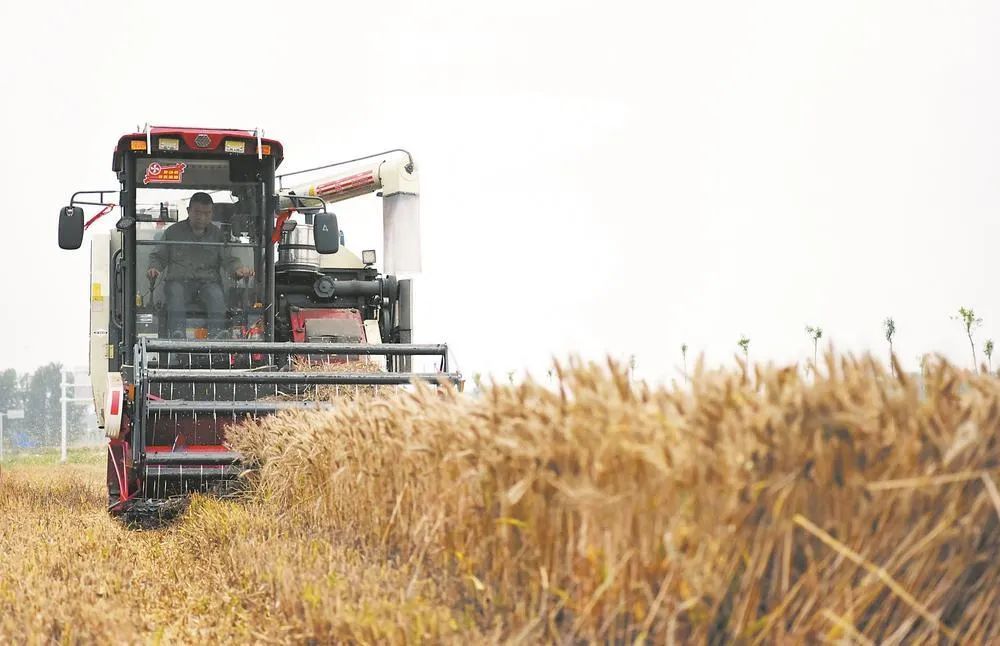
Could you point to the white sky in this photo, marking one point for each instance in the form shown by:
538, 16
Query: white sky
597, 177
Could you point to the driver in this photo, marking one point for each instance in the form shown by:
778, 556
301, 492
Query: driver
193, 270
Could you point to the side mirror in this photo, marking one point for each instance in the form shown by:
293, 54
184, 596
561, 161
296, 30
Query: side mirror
70, 227
326, 233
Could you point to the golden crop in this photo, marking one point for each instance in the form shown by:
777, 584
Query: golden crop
757, 508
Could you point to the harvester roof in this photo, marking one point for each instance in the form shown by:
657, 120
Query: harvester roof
171, 139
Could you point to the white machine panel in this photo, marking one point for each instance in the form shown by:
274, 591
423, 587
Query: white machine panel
100, 306
373, 335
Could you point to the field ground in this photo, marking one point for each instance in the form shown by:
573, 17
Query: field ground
852, 507
93, 456
225, 572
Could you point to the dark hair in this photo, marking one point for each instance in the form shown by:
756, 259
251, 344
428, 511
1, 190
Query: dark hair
200, 198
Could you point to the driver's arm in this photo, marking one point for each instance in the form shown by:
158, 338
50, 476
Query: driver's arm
231, 264
160, 258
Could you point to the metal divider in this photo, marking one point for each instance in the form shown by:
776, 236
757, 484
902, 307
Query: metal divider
187, 392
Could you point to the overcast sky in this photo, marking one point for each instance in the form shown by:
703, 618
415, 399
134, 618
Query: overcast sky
597, 177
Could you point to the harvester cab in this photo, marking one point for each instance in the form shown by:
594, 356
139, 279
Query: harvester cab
220, 295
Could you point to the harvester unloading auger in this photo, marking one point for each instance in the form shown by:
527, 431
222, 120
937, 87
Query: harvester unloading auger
198, 322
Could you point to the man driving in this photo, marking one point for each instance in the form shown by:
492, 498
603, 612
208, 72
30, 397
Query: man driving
193, 270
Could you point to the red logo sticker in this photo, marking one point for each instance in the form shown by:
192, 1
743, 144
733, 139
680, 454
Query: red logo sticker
164, 174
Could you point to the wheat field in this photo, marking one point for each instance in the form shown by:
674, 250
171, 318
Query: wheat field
750, 507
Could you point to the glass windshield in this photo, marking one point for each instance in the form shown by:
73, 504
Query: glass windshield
200, 252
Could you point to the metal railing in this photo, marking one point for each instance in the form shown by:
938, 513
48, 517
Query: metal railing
188, 392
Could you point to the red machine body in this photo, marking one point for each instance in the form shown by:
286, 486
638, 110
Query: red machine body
182, 363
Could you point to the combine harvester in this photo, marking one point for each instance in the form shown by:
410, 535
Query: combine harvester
220, 296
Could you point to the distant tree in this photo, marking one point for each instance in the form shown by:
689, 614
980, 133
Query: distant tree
75, 411
744, 343
25, 427
38, 395
890, 331
10, 392
684, 358
815, 333
10, 397
42, 408
631, 367
510, 377
969, 321
988, 351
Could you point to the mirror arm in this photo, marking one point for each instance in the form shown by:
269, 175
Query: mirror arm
100, 196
